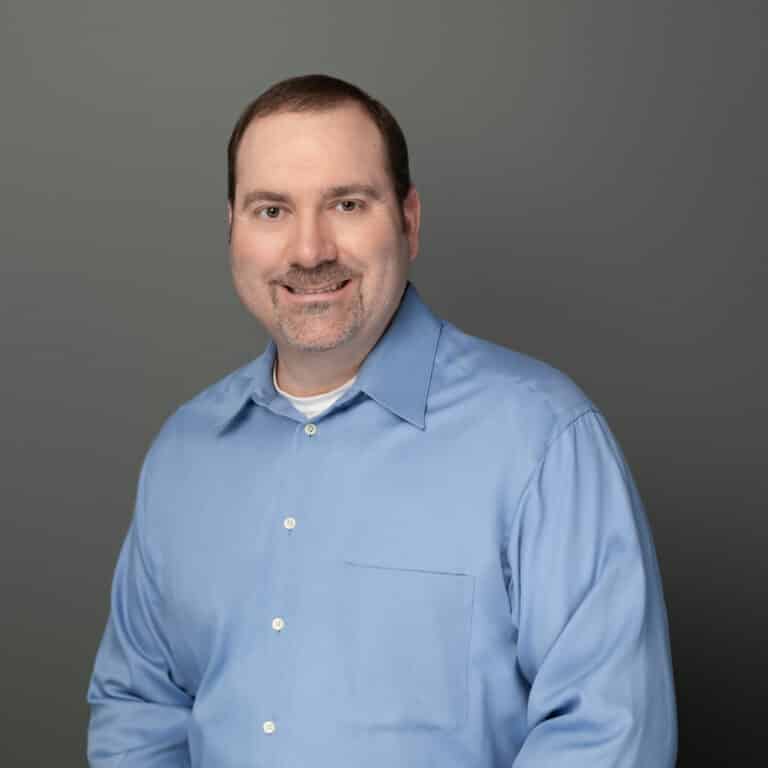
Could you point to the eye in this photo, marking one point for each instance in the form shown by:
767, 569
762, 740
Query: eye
348, 206
271, 211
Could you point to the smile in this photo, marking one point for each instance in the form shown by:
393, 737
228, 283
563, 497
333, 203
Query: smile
326, 292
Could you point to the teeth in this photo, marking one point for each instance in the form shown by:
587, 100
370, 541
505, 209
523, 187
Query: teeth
323, 290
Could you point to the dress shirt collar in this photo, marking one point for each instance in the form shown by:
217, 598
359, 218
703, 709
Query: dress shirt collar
396, 373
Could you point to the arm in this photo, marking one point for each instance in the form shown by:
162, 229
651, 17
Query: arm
139, 715
592, 628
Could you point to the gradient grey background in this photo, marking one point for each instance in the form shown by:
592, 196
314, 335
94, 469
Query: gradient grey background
593, 176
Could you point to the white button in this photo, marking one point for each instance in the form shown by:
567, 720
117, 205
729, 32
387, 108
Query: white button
289, 523
269, 727
277, 623
310, 429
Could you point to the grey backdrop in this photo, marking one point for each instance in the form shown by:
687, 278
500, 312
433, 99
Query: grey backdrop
594, 185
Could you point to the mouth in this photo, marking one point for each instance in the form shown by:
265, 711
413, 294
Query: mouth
322, 293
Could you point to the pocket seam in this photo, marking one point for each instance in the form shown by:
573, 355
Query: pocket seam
359, 564
462, 719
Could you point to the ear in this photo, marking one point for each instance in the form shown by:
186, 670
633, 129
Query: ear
229, 222
412, 215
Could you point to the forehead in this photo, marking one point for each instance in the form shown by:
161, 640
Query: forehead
296, 149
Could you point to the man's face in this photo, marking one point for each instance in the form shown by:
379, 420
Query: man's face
315, 206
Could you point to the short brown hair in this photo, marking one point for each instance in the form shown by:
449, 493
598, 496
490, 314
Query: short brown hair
319, 92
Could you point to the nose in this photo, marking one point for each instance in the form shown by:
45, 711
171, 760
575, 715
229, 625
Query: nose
313, 243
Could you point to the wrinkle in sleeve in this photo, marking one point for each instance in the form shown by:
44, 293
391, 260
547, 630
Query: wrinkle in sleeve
139, 716
586, 592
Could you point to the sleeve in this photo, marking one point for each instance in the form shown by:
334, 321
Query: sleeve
139, 716
593, 639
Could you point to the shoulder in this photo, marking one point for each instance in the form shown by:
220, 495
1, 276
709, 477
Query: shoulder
197, 419
525, 392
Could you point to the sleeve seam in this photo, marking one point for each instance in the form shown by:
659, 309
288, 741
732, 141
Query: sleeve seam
591, 408
578, 413
140, 509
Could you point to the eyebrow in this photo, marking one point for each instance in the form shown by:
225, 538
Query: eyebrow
342, 190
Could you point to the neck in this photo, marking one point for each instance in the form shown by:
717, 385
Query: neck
313, 377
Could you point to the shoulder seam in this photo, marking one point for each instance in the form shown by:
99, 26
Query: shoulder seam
141, 512
581, 413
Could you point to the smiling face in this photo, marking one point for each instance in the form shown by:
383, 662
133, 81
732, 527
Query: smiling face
315, 206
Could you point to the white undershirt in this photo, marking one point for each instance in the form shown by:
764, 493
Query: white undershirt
316, 404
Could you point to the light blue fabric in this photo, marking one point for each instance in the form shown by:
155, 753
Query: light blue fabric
470, 581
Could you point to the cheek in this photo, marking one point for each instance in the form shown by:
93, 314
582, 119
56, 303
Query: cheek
371, 244
252, 256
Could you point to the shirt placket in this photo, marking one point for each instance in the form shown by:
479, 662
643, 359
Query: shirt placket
285, 579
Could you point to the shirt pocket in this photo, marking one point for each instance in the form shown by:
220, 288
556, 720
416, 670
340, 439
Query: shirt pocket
406, 646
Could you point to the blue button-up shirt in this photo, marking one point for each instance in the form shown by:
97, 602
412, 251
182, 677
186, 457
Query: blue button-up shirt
451, 567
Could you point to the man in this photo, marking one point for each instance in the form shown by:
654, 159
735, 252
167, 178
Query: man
383, 542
